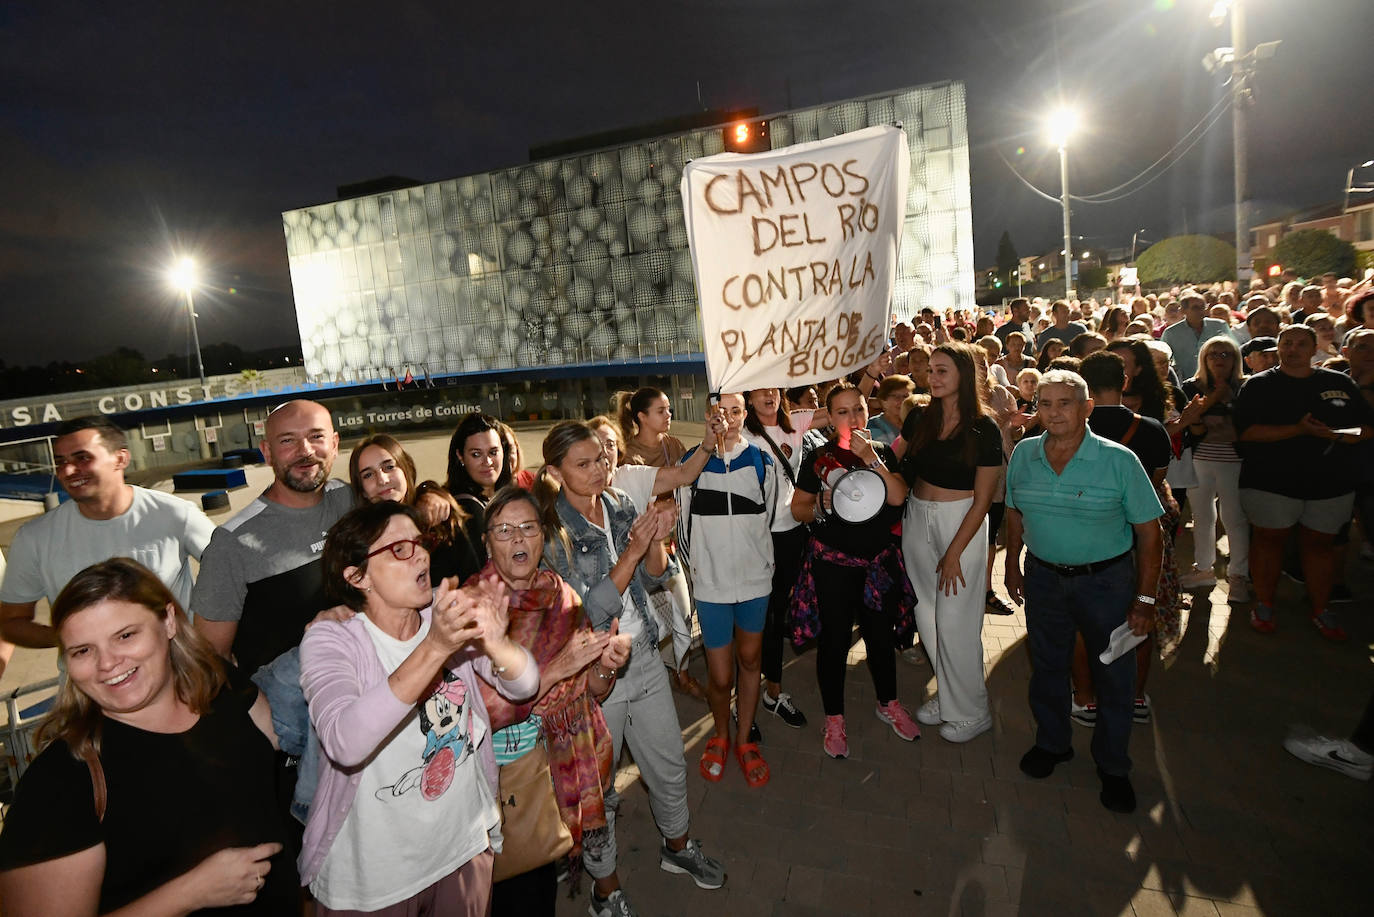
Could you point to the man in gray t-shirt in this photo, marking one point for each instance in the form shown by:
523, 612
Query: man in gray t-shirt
260, 579
105, 517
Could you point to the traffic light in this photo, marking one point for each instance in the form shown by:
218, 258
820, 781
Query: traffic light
747, 137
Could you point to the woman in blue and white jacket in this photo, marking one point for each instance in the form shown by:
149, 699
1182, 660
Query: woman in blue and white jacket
726, 529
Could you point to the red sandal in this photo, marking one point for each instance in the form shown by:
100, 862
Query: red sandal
713, 759
752, 763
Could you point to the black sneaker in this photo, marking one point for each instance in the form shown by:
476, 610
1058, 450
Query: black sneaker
784, 709
1039, 763
1117, 793
755, 735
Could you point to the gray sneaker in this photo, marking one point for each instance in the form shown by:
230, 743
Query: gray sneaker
705, 872
617, 905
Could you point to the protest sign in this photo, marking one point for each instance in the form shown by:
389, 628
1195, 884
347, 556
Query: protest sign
795, 253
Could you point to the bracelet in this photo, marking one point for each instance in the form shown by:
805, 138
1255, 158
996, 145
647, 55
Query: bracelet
498, 669
873, 377
1145, 599
602, 673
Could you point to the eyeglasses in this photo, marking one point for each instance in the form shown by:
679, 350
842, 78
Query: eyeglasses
506, 532
401, 550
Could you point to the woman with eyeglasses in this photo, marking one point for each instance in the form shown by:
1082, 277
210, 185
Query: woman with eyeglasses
577, 669
406, 809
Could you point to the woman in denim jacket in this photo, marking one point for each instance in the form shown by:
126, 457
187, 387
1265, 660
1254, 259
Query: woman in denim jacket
609, 555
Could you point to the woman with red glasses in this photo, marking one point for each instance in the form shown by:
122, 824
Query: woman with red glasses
405, 815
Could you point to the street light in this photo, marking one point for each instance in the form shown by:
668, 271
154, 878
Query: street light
1135, 235
1350, 183
1062, 123
183, 277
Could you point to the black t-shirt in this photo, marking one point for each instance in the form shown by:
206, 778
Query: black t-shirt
942, 462
1301, 467
861, 539
1150, 442
172, 801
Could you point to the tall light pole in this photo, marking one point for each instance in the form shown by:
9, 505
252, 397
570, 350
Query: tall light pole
1350, 183
1135, 235
1062, 124
184, 278
1242, 61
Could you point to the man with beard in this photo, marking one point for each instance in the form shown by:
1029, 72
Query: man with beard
260, 580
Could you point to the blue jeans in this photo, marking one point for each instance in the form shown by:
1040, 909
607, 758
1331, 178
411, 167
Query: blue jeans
1093, 604
280, 681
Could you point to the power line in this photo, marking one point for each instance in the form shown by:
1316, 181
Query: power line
1216, 114
1105, 197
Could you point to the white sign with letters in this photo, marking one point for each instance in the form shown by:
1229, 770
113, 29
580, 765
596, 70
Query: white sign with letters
795, 254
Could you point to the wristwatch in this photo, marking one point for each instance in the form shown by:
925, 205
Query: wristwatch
1145, 599
875, 464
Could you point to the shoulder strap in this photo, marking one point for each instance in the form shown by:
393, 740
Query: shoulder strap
97, 781
1130, 431
782, 459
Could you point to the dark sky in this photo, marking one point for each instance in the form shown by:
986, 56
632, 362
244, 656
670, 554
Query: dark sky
129, 129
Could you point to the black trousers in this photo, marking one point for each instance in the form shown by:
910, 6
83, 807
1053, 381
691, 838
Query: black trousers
840, 595
787, 557
530, 894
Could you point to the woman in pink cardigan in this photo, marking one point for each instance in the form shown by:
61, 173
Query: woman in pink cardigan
406, 812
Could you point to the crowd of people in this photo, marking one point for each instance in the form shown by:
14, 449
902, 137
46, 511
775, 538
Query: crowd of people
411, 697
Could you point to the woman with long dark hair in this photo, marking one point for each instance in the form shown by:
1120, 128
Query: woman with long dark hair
477, 466
381, 469
953, 464
645, 417
848, 570
156, 786
779, 433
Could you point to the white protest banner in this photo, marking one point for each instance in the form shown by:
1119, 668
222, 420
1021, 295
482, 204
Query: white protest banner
795, 254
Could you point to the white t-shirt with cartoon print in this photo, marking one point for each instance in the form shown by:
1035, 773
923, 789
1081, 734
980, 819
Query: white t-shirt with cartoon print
423, 807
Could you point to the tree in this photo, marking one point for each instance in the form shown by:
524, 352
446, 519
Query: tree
1313, 252
1187, 259
1092, 278
1007, 258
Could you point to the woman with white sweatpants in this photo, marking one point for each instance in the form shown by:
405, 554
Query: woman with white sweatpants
953, 462
1217, 467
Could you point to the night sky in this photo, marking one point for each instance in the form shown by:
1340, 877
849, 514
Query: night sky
133, 129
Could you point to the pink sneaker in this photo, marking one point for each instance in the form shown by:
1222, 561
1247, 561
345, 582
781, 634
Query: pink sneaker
896, 716
836, 745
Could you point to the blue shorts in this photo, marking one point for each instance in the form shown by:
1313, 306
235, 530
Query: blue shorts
719, 620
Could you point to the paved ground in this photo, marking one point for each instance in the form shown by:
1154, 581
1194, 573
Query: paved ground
1229, 823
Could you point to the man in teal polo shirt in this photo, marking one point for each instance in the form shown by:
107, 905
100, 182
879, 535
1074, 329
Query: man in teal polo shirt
1080, 504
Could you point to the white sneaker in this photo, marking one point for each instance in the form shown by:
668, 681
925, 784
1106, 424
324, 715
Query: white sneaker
1196, 578
1337, 754
1238, 589
966, 730
929, 712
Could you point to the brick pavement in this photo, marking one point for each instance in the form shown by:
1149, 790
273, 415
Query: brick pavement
1228, 823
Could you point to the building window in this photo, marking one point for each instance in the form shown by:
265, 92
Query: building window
1273, 240
1364, 226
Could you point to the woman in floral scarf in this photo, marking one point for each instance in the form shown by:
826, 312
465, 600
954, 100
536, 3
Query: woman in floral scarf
577, 670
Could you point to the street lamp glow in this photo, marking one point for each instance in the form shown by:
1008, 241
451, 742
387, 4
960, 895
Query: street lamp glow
183, 274
1062, 124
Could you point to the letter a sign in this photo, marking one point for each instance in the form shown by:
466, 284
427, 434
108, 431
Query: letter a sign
795, 254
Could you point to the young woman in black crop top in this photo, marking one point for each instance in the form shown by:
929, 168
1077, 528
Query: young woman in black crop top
953, 461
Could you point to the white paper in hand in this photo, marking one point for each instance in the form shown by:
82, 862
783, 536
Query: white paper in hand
1121, 642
